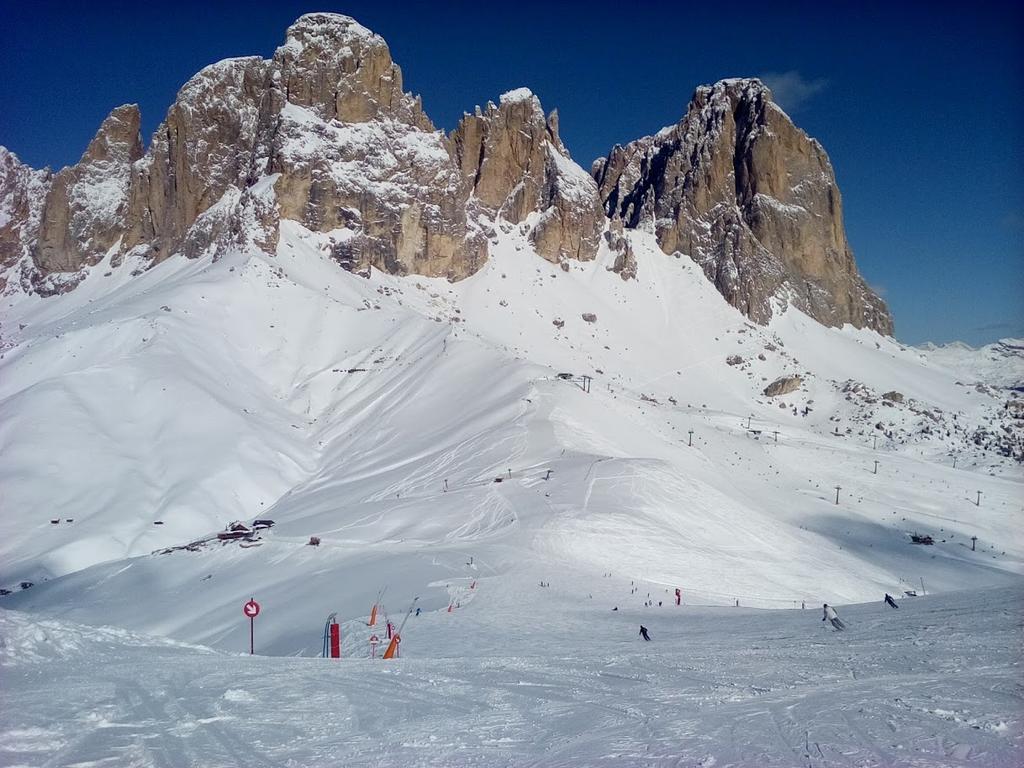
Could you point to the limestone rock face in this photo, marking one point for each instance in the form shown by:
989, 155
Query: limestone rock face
22, 194
752, 199
323, 134
87, 203
204, 148
325, 120
513, 160
355, 153
339, 69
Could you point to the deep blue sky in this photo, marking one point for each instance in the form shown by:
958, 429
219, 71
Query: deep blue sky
919, 107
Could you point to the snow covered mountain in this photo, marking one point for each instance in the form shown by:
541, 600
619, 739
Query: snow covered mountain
323, 134
465, 367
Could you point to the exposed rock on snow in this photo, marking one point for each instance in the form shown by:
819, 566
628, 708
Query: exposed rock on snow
205, 147
86, 206
618, 243
22, 194
735, 185
749, 197
783, 386
391, 184
513, 160
355, 152
339, 69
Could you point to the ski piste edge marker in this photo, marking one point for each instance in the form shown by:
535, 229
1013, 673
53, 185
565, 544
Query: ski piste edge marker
397, 638
376, 604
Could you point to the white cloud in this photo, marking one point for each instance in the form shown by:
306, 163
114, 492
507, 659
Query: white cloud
791, 89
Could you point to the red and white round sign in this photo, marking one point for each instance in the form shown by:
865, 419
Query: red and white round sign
251, 609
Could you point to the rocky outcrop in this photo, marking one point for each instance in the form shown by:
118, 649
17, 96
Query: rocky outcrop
752, 199
323, 133
325, 120
783, 386
22, 194
351, 151
86, 205
340, 70
512, 159
625, 260
392, 187
204, 148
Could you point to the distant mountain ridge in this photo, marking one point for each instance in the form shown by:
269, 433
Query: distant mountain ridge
322, 133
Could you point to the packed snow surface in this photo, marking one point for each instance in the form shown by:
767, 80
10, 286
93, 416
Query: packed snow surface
439, 439
935, 682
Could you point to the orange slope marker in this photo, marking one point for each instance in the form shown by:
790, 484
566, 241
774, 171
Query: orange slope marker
397, 638
373, 611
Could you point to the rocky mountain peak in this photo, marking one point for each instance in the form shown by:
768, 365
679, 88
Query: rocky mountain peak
118, 140
752, 199
86, 205
323, 134
341, 70
22, 193
518, 170
735, 89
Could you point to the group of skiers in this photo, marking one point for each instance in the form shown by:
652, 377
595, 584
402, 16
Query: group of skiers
828, 614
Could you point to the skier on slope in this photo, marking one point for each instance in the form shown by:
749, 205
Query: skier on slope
890, 601
643, 633
833, 617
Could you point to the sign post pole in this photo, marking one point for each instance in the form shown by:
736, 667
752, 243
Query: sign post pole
252, 610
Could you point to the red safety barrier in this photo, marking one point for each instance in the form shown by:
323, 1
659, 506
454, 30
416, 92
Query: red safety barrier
335, 641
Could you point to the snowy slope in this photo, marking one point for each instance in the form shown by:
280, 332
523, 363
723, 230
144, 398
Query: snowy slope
202, 392
1000, 364
146, 412
930, 684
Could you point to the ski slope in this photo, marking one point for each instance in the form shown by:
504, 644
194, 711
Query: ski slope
933, 683
377, 414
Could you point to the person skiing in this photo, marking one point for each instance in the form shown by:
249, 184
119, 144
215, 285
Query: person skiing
833, 617
890, 601
643, 633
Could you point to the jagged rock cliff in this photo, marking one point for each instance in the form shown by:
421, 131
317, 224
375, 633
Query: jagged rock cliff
752, 199
86, 205
203, 149
322, 133
514, 162
22, 193
357, 154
